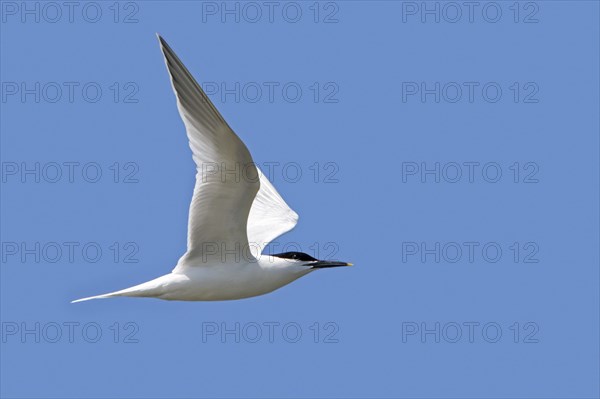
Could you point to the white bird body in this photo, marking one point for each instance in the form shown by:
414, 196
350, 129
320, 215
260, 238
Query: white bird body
218, 282
235, 212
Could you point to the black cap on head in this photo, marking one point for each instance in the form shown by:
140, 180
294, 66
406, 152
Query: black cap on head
301, 256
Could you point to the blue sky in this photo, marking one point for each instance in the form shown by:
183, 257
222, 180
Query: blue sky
450, 153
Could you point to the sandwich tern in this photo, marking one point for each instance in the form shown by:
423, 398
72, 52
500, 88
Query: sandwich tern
231, 219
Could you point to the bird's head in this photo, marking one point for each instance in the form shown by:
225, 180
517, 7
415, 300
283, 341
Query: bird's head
307, 260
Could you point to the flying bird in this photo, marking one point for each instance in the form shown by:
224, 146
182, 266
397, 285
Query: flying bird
232, 216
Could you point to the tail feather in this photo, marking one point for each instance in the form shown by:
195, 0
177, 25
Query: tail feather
152, 288
109, 295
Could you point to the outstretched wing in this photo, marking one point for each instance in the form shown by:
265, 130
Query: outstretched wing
269, 217
226, 178
235, 210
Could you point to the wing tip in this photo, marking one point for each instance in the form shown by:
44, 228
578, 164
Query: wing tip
294, 216
164, 46
162, 42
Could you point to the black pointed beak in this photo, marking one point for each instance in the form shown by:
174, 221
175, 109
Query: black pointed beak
321, 264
